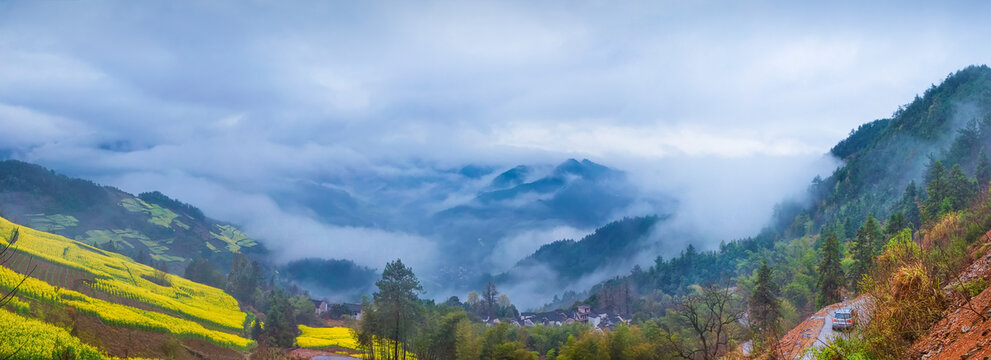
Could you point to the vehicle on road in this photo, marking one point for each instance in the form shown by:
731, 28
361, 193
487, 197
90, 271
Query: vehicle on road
843, 319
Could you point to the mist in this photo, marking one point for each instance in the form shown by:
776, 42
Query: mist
374, 131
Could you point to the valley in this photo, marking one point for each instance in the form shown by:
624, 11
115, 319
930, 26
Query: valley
494, 180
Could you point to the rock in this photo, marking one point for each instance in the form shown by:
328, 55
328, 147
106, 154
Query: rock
969, 354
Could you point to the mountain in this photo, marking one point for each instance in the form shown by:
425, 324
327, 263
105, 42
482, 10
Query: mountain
470, 210
886, 158
611, 245
349, 281
910, 170
571, 186
150, 225
579, 194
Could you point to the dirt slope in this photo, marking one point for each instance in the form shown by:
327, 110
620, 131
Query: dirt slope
963, 333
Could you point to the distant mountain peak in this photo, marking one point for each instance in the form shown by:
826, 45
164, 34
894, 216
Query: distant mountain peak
585, 169
512, 177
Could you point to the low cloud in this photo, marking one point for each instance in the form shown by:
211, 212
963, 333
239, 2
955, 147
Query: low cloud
289, 236
727, 108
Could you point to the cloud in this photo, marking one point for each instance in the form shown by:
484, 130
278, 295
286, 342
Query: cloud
651, 142
290, 236
726, 106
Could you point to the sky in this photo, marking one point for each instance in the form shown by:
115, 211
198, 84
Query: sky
729, 104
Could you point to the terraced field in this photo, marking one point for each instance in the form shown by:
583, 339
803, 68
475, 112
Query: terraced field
233, 238
52, 222
157, 214
34, 339
62, 266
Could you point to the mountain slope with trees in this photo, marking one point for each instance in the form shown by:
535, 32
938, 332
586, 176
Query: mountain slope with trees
151, 227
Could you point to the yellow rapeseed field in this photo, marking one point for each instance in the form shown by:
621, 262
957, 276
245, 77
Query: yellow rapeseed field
116, 314
38, 340
311, 337
118, 275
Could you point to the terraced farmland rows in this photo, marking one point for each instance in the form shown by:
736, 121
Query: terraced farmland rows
121, 276
183, 308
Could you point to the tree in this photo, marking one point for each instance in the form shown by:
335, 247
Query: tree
397, 304
983, 170
304, 311
830, 282
202, 271
453, 301
472, 298
256, 330
961, 187
947, 190
866, 246
896, 222
708, 318
489, 299
243, 278
280, 327
936, 189
764, 305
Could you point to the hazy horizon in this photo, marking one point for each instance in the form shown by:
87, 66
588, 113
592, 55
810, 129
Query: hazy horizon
240, 108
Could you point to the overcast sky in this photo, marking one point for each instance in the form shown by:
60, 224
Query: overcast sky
202, 98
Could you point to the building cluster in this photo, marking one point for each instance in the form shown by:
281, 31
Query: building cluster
601, 320
337, 310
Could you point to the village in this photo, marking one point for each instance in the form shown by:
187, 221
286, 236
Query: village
599, 320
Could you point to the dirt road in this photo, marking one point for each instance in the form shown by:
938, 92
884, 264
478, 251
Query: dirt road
826, 333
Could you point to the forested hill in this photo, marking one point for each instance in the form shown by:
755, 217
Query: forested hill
612, 244
886, 161
924, 161
150, 227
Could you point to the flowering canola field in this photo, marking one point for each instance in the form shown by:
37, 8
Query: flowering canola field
311, 337
119, 276
37, 339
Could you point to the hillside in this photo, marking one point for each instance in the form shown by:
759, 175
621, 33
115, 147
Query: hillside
575, 193
887, 158
921, 175
149, 226
613, 244
925, 269
96, 303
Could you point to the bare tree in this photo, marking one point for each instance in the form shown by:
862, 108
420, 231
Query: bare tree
709, 319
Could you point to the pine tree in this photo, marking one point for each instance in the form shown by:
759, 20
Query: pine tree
866, 246
397, 304
764, 305
280, 327
983, 170
896, 222
244, 277
830, 282
961, 189
936, 189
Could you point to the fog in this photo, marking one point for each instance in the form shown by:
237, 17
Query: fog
340, 130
